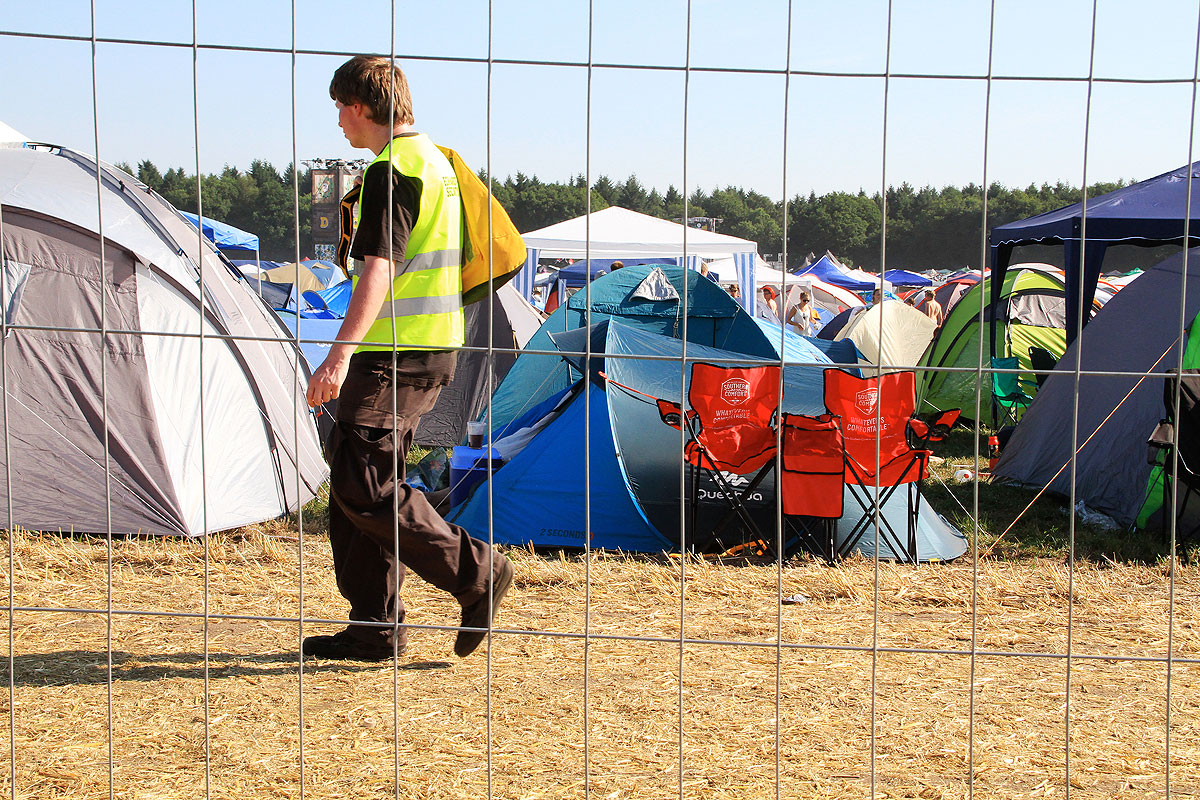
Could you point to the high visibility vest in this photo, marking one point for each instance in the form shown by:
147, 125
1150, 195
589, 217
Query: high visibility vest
424, 310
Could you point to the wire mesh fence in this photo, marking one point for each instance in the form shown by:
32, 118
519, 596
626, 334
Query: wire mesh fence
1057, 659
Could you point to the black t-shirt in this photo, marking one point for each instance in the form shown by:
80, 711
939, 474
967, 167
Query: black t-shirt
371, 238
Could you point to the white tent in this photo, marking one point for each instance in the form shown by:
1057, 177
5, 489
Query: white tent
898, 340
10, 137
618, 232
725, 271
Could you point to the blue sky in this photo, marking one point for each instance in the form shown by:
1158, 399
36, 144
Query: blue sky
539, 119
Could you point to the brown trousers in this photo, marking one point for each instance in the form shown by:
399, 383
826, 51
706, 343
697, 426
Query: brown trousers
379, 527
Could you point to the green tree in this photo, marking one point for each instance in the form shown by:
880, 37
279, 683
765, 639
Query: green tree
846, 224
606, 189
633, 196
148, 174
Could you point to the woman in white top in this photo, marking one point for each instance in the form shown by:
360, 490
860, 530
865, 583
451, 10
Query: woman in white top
801, 315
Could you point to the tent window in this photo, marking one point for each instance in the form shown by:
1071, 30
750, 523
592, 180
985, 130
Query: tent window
1043, 310
656, 288
15, 275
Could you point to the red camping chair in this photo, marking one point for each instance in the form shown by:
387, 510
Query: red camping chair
811, 482
731, 430
924, 431
875, 414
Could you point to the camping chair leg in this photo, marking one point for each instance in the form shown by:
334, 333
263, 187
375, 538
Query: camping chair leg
871, 514
731, 497
738, 508
1182, 536
814, 534
905, 549
914, 519
694, 474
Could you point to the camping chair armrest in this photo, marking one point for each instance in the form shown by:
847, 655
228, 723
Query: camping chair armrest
1161, 442
1160, 446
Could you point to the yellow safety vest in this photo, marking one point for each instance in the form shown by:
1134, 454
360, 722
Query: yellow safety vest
424, 310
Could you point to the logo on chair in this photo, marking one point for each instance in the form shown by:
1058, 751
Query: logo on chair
735, 391
866, 400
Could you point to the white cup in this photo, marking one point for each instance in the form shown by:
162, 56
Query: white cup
475, 432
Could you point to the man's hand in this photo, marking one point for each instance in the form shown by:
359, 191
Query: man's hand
326, 382
365, 302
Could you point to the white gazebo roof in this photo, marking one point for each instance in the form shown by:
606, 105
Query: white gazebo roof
619, 233
9, 137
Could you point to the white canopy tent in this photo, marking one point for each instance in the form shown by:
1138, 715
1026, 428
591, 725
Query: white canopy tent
618, 232
725, 271
9, 137
829, 298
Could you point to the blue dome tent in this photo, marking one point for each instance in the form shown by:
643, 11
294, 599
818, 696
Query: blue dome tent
625, 492
713, 319
228, 239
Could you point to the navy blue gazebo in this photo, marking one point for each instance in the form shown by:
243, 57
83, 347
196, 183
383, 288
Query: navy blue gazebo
1147, 214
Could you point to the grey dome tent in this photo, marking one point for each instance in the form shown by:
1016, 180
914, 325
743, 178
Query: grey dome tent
513, 321
1136, 331
203, 434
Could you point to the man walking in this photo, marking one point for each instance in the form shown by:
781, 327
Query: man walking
394, 353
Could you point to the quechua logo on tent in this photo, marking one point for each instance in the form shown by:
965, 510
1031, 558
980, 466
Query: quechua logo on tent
735, 391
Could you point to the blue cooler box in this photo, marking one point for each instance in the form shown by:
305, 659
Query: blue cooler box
468, 468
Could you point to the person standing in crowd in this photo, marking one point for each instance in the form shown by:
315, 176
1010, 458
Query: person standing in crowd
801, 315
933, 309
767, 307
394, 353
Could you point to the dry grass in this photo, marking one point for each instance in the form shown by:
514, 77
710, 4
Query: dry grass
348, 730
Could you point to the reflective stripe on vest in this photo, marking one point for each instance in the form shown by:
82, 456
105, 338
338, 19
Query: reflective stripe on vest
424, 309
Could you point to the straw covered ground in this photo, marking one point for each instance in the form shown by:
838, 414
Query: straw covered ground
623, 717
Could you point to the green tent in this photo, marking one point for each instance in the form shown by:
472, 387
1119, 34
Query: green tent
1032, 313
1148, 515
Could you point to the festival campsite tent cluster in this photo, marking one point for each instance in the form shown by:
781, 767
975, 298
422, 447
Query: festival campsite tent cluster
617, 233
589, 366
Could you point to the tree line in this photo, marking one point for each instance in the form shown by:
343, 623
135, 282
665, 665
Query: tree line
926, 227
259, 201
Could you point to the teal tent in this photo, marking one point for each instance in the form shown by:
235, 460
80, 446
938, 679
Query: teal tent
711, 318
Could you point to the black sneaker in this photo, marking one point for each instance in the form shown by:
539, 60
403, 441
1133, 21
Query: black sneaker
476, 614
345, 646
